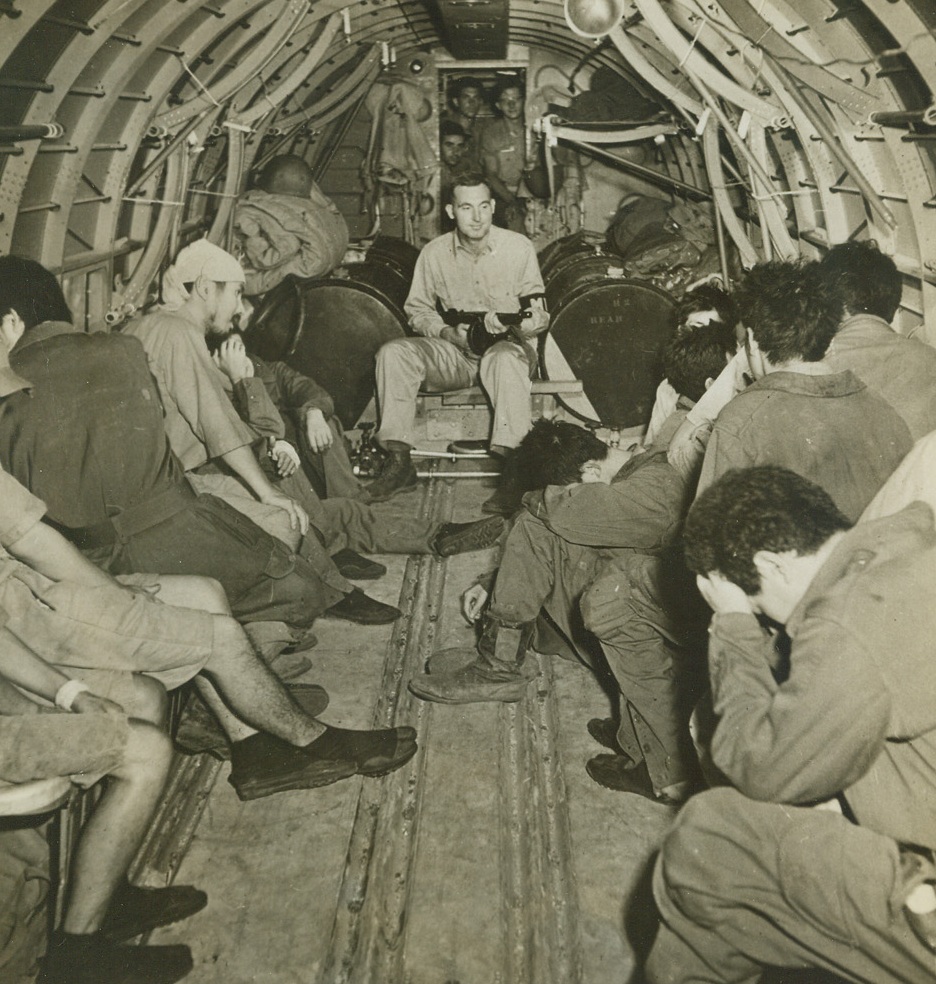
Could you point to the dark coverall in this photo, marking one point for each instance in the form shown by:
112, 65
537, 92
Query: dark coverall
339, 522
607, 549
293, 395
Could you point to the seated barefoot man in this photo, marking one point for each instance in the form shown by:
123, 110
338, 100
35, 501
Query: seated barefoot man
604, 544
752, 877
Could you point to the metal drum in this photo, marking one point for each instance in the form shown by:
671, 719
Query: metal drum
396, 253
579, 268
331, 329
558, 251
608, 333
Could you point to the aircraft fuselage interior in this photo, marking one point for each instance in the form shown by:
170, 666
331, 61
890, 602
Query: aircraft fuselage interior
635, 149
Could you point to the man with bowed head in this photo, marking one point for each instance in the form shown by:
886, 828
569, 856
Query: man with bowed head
841, 716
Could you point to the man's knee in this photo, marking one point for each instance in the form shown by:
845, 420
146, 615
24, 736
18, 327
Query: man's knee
400, 353
606, 604
206, 594
148, 751
693, 868
148, 700
504, 357
295, 596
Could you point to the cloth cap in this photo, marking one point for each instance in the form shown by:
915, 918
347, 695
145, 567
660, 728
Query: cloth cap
198, 259
204, 259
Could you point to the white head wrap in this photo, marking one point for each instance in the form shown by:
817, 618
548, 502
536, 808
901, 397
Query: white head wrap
198, 259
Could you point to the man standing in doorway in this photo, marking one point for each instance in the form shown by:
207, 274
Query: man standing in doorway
474, 269
453, 143
467, 100
503, 155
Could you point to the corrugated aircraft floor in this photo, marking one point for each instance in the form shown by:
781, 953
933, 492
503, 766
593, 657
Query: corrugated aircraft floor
492, 858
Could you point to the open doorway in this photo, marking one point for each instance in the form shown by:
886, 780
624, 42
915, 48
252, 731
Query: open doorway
482, 129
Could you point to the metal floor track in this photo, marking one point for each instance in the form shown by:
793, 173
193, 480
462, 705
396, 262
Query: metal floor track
531, 845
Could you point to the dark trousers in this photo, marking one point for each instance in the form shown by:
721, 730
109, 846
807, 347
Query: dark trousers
742, 885
263, 579
626, 602
640, 609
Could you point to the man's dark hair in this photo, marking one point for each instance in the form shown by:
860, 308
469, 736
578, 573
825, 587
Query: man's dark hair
707, 297
468, 179
32, 291
449, 128
789, 309
867, 279
553, 453
457, 87
510, 82
690, 358
753, 509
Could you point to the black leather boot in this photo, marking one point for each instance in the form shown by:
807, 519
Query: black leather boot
398, 474
510, 490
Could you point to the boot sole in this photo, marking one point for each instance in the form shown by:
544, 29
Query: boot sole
510, 697
378, 620
636, 786
385, 770
306, 778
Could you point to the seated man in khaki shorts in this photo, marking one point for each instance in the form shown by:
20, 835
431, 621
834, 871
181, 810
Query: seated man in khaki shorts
59, 605
86, 737
100, 637
103, 632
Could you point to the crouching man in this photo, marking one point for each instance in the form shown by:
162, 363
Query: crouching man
601, 540
753, 877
